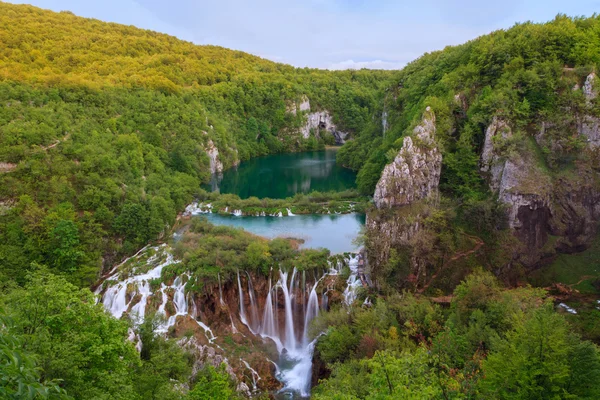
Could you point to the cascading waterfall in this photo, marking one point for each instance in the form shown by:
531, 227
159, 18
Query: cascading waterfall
290, 335
292, 291
268, 326
220, 290
293, 351
312, 310
242, 309
353, 282
115, 296
253, 307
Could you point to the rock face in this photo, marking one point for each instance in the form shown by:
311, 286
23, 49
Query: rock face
317, 121
589, 126
213, 154
519, 183
402, 195
540, 204
415, 172
490, 160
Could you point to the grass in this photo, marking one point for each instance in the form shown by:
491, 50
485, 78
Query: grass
578, 270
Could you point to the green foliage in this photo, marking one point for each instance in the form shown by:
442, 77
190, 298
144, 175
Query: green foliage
165, 367
214, 384
524, 75
74, 340
492, 343
120, 130
19, 376
540, 358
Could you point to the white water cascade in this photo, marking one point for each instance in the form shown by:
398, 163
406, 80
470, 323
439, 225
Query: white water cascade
291, 334
135, 285
353, 282
137, 288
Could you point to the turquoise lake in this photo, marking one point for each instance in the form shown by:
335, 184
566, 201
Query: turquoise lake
331, 231
283, 175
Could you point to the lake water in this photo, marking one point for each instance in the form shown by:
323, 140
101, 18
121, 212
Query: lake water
283, 175
333, 232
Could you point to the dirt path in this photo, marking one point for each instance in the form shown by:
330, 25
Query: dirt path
478, 243
583, 278
58, 141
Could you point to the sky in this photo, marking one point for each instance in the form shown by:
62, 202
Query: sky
333, 34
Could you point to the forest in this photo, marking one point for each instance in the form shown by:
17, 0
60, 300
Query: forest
104, 130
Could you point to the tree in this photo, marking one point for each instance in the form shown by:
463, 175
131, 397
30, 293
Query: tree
74, 339
537, 358
258, 256
213, 384
19, 375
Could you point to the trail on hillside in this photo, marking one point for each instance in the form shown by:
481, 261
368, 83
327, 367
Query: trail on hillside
478, 244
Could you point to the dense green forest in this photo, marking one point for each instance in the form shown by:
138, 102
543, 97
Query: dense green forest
99, 158
523, 75
104, 131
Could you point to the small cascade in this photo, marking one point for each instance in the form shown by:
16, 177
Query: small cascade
255, 376
242, 309
268, 326
312, 310
290, 213
179, 302
115, 297
290, 335
325, 301
220, 290
255, 322
353, 282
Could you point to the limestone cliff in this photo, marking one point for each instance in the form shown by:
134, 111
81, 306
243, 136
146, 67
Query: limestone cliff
317, 121
213, 154
403, 195
415, 172
542, 202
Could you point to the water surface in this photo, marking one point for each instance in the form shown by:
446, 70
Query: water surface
283, 175
331, 231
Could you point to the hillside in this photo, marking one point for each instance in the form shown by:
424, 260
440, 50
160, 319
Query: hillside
107, 131
514, 119
477, 170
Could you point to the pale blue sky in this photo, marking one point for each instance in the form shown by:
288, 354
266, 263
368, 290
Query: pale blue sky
325, 33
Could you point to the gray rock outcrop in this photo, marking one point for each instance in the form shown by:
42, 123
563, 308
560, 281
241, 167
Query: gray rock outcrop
317, 121
216, 166
415, 172
589, 125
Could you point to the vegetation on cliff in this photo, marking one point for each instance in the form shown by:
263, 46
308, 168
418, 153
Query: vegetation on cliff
104, 131
107, 132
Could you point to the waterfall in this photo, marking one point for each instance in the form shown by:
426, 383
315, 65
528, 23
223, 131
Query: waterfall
353, 281
312, 310
255, 376
242, 310
255, 322
268, 322
290, 335
220, 290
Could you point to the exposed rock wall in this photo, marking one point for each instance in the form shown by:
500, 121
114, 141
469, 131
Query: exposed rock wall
415, 172
402, 196
318, 121
216, 165
541, 203
589, 125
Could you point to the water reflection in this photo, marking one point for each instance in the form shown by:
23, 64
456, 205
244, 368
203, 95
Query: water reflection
284, 175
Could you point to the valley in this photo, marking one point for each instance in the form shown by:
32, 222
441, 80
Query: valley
184, 221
